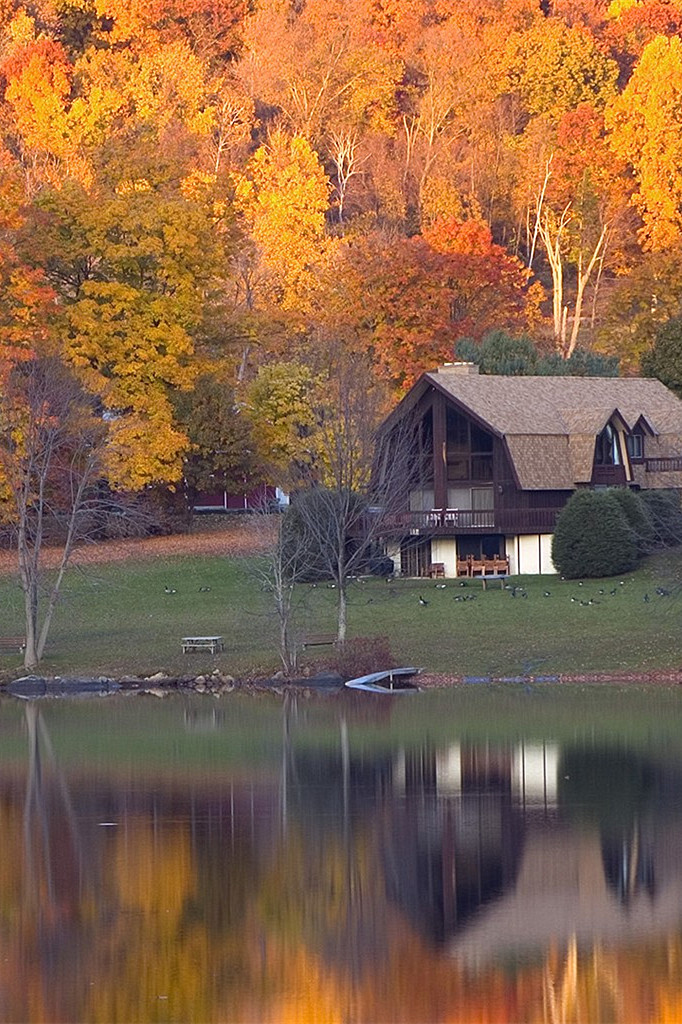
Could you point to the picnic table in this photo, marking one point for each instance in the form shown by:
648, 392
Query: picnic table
494, 577
202, 643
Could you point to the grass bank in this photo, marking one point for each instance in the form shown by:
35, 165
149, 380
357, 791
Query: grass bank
116, 618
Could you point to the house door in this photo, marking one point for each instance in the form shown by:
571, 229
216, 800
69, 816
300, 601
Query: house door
415, 557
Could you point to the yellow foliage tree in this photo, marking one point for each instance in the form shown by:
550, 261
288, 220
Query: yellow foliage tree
284, 197
646, 130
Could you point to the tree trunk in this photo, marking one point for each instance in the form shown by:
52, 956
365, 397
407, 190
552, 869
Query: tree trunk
29, 585
583, 278
343, 615
286, 652
31, 658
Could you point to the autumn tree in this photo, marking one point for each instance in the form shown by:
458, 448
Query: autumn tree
281, 405
48, 129
645, 122
580, 214
284, 197
555, 68
133, 269
640, 303
51, 459
452, 77
219, 433
406, 301
631, 25
318, 67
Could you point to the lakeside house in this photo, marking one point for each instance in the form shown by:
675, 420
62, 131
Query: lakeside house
498, 457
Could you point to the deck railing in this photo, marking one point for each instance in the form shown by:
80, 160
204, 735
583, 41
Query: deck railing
453, 520
670, 465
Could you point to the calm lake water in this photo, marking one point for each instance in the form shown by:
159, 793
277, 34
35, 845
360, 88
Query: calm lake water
485, 855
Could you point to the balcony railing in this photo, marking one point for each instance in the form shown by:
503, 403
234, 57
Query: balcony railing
669, 465
453, 520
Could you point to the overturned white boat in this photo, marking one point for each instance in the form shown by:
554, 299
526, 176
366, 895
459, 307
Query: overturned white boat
391, 680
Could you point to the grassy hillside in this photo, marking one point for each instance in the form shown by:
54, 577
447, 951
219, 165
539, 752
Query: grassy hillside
117, 618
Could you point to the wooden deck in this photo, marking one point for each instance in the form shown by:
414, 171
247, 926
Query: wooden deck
449, 522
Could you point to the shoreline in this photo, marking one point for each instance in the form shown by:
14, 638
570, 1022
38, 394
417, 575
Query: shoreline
218, 684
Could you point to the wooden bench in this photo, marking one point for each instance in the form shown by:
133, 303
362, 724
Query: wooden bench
12, 644
214, 644
319, 640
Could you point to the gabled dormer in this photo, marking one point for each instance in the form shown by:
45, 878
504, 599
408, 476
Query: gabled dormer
637, 438
611, 464
617, 447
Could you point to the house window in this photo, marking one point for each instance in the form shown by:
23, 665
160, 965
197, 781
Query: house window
481, 467
606, 452
421, 500
469, 450
635, 443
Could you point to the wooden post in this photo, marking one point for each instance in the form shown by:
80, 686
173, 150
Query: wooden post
440, 481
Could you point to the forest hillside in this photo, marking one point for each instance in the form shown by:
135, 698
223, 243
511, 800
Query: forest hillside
224, 217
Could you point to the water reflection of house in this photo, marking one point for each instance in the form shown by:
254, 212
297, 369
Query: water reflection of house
455, 839
480, 859
562, 890
531, 769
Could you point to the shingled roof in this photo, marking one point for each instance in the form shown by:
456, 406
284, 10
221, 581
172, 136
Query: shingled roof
561, 405
550, 423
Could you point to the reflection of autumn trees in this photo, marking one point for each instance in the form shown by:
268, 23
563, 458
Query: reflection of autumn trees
160, 957
206, 902
145, 916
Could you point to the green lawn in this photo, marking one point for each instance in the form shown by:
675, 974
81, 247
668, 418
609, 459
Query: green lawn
117, 618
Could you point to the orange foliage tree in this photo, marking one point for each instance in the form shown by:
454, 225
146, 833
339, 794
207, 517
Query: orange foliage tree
409, 300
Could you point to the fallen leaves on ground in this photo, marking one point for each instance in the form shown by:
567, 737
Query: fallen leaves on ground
234, 540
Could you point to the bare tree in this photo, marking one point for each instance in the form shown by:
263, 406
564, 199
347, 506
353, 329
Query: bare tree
343, 150
51, 449
344, 516
282, 565
233, 117
553, 230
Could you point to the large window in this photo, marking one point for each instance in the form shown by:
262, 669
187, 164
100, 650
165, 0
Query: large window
469, 450
607, 451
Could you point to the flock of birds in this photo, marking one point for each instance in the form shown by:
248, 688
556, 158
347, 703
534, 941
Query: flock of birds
173, 590
516, 590
513, 589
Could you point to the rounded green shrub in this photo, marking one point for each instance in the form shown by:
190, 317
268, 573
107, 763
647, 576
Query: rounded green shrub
639, 517
593, 537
